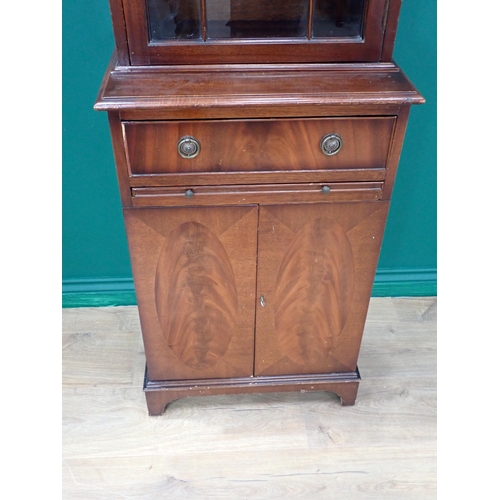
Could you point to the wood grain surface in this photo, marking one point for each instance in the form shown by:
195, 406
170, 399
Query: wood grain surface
196, 295
261, 446
256, 145
160, 394
194, 275
248, 91
314, 291
362, 48
316, 269
340, 175
263, 194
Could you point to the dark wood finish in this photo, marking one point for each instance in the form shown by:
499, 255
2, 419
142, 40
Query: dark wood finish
120, 32
391, 19
261, 194
255, 145
316, 269
254, 261
204, 20
281, 110
309, 21
238, 87
395, 151
194, 274
129, 26
227, 178
160, 393
120, 157
144, 52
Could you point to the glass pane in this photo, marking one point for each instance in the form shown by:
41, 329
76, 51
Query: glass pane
337, 18
174, 19
256, 18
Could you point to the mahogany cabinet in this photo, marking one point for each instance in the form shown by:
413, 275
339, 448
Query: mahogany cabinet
256, 150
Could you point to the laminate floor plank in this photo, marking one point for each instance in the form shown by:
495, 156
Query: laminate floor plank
100, 358
409, 352
395, 410
300, 474
416, 310
100, 319
263, 446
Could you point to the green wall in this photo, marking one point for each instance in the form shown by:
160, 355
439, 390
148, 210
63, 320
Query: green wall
96, 267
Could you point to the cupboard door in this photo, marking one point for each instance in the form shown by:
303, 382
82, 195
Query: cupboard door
316, 265
212, 31
194, 274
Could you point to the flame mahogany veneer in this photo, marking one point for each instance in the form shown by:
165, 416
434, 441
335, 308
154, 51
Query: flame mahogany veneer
254, 260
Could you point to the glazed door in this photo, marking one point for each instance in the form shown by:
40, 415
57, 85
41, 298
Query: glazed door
194, 274
254, 31
316, 265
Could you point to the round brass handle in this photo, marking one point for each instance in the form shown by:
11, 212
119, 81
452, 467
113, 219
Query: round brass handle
188, 147
330, 144
189, 193
325, 189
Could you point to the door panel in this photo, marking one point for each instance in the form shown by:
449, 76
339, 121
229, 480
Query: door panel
194, 271
194, 35
316, 267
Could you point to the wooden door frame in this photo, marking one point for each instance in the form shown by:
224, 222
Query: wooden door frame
369, 48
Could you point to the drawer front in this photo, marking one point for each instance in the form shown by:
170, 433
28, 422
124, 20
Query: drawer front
257, 145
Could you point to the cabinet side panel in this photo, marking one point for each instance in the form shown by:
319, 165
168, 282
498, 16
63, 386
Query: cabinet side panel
194, 274
391, 25
120, 32
395, 151
316, 271
137, 31
115, 126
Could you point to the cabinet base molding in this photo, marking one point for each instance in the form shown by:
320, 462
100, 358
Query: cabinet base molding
160, 393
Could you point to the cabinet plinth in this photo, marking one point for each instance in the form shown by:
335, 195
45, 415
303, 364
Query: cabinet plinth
160, 393
256, 156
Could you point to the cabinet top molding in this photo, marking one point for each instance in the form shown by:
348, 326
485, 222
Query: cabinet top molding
162, 87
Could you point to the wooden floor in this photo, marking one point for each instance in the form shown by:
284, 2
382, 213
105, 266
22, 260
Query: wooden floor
289, 445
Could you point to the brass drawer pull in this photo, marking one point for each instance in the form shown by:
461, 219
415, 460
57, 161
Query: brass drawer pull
330, 144
188, 147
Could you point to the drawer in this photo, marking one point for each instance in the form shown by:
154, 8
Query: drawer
237, 146
262, 194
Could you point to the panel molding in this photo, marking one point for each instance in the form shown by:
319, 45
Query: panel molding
98, 292
408, 282
102, 292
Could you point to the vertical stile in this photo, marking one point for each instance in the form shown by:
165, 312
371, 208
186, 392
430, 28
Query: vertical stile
203, 20
310, 20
